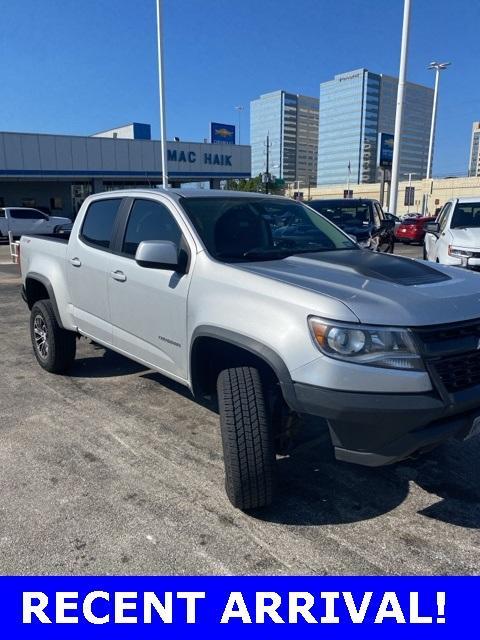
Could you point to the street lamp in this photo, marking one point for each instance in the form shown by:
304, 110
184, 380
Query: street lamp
239, 108
438, 66
392, 207
161, 89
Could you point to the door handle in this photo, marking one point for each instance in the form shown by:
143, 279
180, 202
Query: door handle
118, 275
75, 262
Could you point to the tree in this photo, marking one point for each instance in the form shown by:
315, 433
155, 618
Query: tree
254, 184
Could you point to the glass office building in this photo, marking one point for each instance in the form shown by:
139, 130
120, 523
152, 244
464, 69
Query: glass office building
357, 106
291, 123
474, 165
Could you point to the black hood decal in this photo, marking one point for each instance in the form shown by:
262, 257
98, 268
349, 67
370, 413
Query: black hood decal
381, 266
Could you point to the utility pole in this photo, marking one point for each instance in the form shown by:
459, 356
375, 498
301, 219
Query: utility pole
239, 108
399, 112
161, 89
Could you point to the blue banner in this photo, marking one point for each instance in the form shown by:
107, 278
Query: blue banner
211, 607
386, 150
222, 133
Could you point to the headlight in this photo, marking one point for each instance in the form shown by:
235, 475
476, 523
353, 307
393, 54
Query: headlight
455, 252
375, 346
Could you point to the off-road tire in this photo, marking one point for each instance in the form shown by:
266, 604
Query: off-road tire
60, 343
247, 438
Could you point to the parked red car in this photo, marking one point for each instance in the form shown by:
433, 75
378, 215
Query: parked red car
412, 230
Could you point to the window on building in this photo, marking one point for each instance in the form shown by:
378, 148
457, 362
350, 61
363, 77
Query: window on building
99, 222
149, 220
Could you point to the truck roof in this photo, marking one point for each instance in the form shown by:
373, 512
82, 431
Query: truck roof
192, 193
469, 199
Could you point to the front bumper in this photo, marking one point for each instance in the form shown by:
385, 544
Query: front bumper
375, 429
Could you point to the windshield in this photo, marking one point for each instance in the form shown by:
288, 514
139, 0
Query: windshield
466, 215
345, 215
258, 228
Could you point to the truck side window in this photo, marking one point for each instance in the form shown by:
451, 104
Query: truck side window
2, 213
149, 220
27, 214
98, 224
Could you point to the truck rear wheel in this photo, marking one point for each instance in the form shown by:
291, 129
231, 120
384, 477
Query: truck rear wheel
248, 444
53, 346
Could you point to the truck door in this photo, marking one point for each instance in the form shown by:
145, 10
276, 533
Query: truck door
434, 241
149, 306
89, 263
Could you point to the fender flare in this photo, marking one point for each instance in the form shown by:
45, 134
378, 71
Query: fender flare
33, 275
256, 348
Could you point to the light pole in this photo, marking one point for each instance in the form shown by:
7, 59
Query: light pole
399, 112
239, 108
438, 66
161, 89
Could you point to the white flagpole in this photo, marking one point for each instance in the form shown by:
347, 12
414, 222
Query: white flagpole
161, 89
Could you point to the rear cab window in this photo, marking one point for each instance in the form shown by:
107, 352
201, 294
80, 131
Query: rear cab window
99, 223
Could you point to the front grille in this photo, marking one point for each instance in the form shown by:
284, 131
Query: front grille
453, 352
460, 371
452, 339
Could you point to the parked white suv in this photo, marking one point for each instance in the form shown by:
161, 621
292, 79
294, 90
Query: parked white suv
454, 238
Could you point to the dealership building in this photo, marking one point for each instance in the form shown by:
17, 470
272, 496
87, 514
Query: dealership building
58, 172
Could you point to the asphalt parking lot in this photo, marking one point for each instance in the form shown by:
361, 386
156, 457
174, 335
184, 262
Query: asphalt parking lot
115, 470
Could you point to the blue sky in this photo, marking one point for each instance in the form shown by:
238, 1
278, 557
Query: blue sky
71, 66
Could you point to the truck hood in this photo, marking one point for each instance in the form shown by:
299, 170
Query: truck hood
467, 238
379, 288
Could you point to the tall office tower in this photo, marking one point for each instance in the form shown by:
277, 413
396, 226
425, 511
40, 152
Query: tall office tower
291, 123
355, 108
474, 164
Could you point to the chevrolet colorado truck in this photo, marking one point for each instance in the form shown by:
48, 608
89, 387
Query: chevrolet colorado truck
264, 302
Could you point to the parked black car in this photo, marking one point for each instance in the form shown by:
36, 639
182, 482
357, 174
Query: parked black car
362, 218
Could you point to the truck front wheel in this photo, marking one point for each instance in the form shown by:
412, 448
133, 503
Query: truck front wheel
248, 444
53, 346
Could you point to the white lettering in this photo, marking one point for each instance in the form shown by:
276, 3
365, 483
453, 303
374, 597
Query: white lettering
357, 615
330, 597
295, 609
390, 599
235, 598
87, 607
121, 606
191, 598
36, 609
61, 606
414, 617
270, 609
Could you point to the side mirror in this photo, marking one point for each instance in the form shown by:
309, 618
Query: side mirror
157, 254
432, 227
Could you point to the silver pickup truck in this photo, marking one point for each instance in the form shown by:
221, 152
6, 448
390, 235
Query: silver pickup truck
266, 303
